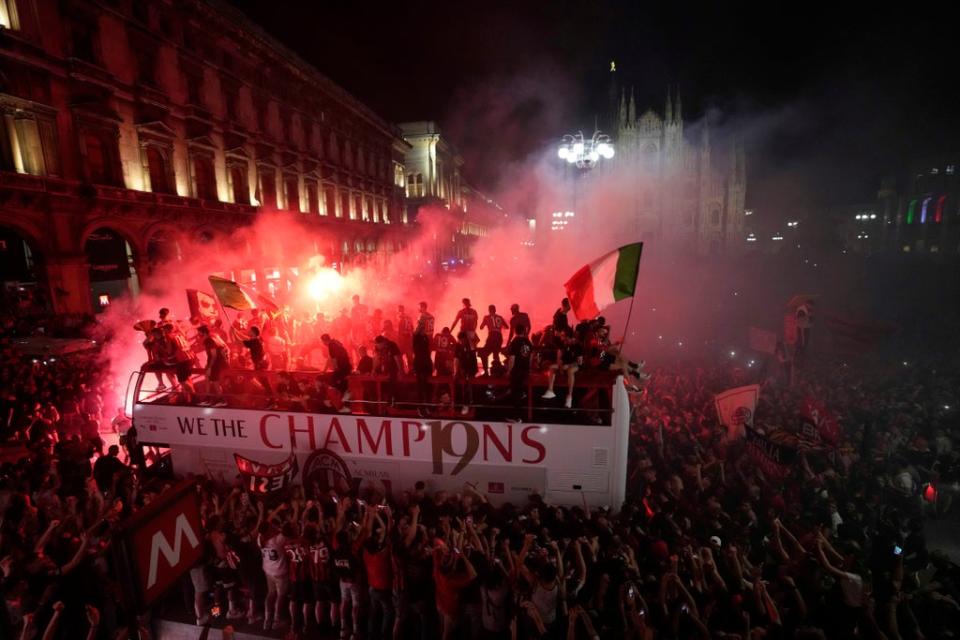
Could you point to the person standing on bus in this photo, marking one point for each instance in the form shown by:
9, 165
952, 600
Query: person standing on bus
425, 323
560, 322
153, 345
258, 355
569, 358
405, 334
359, 321
468, 318
390, 364
177, 355
494, 324
339, 363
518, 365
423, 369
517, 319
465, 367
445, 345
217, 363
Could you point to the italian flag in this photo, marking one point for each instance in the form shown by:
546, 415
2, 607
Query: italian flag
234, 295
604, 281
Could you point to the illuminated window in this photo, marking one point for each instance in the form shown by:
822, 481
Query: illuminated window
415, 185
22, 144
398, 174
951, 169
8, 14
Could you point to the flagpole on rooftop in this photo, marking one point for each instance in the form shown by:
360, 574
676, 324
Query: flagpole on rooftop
626, 326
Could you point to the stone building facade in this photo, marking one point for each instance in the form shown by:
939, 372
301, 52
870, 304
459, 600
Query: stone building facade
687, 192
126, 122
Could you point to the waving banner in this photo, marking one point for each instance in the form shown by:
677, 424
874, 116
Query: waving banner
773, 458
735, 409
826, 423
266, 478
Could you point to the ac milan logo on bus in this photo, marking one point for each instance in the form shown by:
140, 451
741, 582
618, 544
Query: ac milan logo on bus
742, 415
325, 470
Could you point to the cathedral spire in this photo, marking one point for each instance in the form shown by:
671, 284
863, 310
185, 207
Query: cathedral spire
668, 114
633, 107
678, 112
622, 116
610, 116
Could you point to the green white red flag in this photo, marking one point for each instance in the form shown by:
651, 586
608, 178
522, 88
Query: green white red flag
606, 280
234, 295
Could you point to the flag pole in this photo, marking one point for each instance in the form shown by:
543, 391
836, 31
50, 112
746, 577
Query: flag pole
626, 325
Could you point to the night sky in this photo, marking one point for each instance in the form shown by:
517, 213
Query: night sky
830, 97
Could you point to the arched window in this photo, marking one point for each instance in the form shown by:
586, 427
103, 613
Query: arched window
715, 215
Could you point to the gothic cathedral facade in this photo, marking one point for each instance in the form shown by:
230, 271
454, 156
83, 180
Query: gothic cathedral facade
685, 193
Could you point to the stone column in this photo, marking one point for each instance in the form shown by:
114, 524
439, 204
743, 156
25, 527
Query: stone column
68, 278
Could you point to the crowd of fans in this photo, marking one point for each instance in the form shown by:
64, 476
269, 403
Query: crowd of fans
405, 347
707, 545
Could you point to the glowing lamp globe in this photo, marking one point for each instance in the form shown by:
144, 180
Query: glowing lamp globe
562, 152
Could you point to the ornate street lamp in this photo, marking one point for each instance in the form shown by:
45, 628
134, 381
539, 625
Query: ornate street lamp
585, 153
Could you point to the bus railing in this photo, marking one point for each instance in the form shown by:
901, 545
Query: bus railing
368, 395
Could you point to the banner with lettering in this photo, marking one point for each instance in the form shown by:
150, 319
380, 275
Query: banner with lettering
390, 453
773, 458
266, 478
735, 409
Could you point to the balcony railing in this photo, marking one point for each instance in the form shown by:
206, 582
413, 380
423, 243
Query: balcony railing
74, 189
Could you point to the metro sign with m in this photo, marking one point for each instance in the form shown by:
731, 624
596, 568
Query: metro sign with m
166, 543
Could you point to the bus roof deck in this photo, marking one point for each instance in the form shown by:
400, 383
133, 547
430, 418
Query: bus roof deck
369, 395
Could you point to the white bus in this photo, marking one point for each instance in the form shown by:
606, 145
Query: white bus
567, 456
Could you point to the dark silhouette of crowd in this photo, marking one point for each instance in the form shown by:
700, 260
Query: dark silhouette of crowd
707, 545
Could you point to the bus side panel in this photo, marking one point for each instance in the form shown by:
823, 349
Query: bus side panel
564, 463
620, 426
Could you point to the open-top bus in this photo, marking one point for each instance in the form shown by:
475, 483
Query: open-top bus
568, 456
